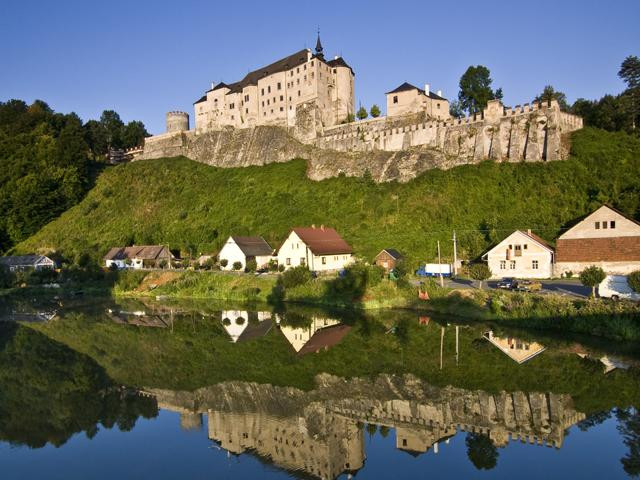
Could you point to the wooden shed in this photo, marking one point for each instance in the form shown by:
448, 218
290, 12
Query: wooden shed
388, 258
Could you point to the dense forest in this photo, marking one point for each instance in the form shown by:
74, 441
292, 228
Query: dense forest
49, 160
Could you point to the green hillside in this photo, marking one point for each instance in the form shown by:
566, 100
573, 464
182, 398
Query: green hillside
194, 207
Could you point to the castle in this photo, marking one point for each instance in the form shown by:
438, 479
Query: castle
302, 106
272, 95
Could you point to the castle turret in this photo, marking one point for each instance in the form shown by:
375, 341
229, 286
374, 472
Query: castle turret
177, 122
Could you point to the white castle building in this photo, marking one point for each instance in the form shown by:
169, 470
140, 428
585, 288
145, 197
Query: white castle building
271, 95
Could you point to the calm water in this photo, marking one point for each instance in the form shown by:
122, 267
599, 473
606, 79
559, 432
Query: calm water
103, 389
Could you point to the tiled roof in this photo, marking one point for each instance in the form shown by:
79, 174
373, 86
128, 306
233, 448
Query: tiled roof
144, 252
538, 239
393, 253
339, 62
253, 246
323, 240
325, 338
22, 260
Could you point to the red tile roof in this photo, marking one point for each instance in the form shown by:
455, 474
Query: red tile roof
323, 240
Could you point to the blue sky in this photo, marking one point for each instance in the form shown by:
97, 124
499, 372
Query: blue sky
143, 58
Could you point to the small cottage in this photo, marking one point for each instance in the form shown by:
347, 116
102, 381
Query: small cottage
27, 262
521, 255
145, 256
388, 258
244, 249
321, 249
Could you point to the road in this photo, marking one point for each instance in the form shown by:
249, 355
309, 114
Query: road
560, 286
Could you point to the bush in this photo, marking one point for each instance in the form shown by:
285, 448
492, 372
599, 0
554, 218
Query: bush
634, 281
251, 266
375, 274
281, 268
7, 277
237, 265
296, 276
568, 274
209, 263
272, 266
480, 272
129, 280
224, 262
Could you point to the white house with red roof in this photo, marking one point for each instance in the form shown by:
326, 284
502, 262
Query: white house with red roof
322, 249
521, 255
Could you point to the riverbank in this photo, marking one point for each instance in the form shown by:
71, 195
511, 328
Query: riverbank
601, 318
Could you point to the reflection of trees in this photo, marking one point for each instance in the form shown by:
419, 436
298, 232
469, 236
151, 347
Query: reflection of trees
593, 420
49, 392
481, 451
629, 427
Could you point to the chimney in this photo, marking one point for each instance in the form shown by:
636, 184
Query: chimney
213, 84
336, 57
313, 225
322, 227
426, 89
529, 231
439, 93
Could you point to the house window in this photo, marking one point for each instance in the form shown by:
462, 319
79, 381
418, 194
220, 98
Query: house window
301, 260
612, 224
524, 246
597, 225
438, 106
534, 264
503, 264
395, 99
279, 86
312, 63
604, 225
288, 261
518, 250
324, 260
512, 264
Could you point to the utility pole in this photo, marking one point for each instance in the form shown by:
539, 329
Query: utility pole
455, 254
440, 266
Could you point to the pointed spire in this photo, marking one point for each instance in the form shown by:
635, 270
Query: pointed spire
319, 46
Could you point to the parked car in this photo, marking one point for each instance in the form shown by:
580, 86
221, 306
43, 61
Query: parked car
527, 286
507, 283
616, 287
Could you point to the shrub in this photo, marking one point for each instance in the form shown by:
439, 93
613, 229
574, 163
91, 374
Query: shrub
296, 276
209, 263
163, 264
224, 262
251, 266
272, 266
568, 274
237, 265
375, 274
129, 279
281, 268
7, 277
591, 277
634, 281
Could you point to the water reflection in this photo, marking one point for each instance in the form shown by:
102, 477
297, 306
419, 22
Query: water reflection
314, 334
515, 348
320, 433
242, 325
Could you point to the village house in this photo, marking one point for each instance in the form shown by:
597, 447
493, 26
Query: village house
321, 249
408, 98
27, 262
244, 249
144, 256
606, 238
388, 258
521, 255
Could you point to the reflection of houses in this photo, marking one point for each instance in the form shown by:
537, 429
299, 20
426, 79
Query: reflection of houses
320, 433
299, 336
518, 350
137, 317
243, 326
610, 363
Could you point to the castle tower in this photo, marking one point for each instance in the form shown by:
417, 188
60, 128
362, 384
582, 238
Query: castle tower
319, 48
177, 122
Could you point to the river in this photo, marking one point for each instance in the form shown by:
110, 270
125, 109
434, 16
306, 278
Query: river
102, 388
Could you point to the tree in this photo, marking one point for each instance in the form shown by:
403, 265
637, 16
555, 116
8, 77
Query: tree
549, 93
634, 281
350, 118
296, 276
455, 109
362, 113
375, 111
237, 265
475, 89
629, 428
113, 126
591, 277
133, 134
480, 272
251, 266
630, 73
481, 452
224, 262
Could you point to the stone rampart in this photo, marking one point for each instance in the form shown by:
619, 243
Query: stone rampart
397, 148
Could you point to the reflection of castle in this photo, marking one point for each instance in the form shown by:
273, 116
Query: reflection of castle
321, 432
318, 335
518, 350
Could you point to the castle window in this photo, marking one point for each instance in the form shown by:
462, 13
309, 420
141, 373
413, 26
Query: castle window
305, 67
312, 63
612, 224
438, 106
272, 111
279, 86
297, 81
262, 92
269, 89
264, 114
267, 102
305, 78
281, 98
395, 99
274, 99
232, 105
298, 92
312, 74
335, 70
282, 109
246, 110
597, 225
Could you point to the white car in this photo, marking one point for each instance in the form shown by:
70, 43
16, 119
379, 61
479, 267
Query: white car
616, 287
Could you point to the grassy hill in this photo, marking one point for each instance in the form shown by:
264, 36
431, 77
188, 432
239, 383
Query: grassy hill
194, 207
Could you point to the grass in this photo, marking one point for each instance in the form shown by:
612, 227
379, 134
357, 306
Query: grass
195, 207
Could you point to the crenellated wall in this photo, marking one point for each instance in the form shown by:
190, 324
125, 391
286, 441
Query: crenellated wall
388, 148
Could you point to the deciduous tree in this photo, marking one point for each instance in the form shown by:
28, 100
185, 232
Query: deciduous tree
475, 89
